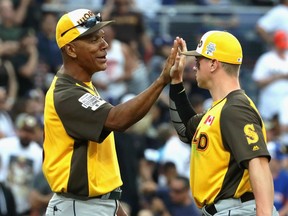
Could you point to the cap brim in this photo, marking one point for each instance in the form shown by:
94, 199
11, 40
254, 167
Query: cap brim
191, 53
96, 27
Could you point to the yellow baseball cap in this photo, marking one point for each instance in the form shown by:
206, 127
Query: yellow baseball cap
220, 45
77, 23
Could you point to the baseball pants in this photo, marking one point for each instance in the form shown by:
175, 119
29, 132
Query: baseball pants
63, 206
234, 207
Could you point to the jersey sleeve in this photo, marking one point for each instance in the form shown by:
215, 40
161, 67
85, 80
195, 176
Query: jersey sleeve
242, 134
83, 114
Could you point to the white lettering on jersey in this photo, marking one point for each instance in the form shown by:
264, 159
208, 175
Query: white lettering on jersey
89, 100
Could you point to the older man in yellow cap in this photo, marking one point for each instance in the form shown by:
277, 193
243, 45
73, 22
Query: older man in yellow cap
80, 161
229, 161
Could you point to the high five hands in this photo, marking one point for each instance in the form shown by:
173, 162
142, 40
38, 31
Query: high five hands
176, 72
175, 63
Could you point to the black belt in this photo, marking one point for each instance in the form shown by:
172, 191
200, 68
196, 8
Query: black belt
211, 209
113, 195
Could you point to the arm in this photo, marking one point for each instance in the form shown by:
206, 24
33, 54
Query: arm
21, 11
130, 63
284, 210
122, 116
180, 108
13, 85
271, 79
268, 38
38, 200
121, 211
262, 185
30, 47
107, 10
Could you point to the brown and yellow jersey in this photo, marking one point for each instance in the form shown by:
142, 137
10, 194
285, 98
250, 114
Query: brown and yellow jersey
225, 138
79, 155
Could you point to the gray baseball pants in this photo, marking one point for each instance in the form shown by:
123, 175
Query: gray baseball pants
234, 207
63, 206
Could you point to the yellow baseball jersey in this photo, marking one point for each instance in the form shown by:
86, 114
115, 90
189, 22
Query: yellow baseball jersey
79, 155
228, 135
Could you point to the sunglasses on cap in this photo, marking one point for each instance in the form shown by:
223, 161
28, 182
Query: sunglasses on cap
89, 23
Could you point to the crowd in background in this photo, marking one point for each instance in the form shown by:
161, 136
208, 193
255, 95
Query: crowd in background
154, 163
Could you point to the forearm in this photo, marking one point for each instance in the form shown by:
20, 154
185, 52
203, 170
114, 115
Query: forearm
122, 116
13, 85
21, 11
38, 200
29, 68
180, 110
263, 83
262, 185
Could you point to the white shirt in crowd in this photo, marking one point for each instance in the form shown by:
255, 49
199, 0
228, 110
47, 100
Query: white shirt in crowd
18, 167
271, 96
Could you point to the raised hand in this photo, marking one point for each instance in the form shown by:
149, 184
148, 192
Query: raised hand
176, 72
170, 62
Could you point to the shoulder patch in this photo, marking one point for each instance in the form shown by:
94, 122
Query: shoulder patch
92, 101
251, 134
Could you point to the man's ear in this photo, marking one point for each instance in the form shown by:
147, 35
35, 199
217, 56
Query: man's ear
70, 50
214, 64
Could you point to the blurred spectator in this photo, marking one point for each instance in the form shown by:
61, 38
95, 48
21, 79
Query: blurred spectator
7, 202
174, 200
271, 74
174, 150
72, 4
283, 121
131, 158
6, 123
167, 172
132, 21
181, 203
274, 20
162, 45
40, 195
8, 81
153, 5
21, 160
221, 19
141, 48
19, 46
197, 102
112, 84
25, 63
280, 178
50, 58
145, 212
213, 2
10, 33
31, 103
28, 13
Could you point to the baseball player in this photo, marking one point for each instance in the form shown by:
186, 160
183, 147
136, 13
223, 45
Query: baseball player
229, 172
80, 161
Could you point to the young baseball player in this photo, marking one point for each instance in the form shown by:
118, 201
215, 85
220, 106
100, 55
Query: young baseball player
229, 160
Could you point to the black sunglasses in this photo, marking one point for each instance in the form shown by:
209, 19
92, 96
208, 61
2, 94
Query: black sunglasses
89, 23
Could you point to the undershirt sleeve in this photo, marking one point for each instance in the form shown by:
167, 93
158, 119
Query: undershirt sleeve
181, 112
